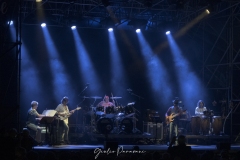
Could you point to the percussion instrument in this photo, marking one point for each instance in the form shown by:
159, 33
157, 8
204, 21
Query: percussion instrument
128, 109
217, 124
110, 109
205, 125
126, 124
195, 125
104, 125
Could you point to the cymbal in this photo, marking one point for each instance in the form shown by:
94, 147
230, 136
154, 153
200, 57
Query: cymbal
115, 97
96, 97
85, 97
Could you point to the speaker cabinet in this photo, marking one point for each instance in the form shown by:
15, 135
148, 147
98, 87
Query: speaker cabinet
156, 130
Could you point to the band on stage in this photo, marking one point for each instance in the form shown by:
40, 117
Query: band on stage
109, 117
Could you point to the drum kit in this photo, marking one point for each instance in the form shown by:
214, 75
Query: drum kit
206, 124
115, 119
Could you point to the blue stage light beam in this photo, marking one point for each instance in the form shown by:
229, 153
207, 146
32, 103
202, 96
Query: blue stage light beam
118, 80
157, 75
86, 66
31, 86
61, 83
191, 88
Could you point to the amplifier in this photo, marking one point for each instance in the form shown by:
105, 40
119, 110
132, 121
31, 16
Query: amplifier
156, 130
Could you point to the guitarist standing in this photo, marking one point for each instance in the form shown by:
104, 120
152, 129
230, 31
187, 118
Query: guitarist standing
63, 111
172, 119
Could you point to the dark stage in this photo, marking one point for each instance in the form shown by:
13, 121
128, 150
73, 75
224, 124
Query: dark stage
159, 147
126, 150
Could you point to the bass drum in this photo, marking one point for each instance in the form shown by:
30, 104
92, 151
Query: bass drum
217, 125
104, 125
195, 125
126, 125
205, 125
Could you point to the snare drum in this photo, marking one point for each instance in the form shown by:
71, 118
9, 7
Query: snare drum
195, 124
217, 124
100, 109
109, 109
205, 125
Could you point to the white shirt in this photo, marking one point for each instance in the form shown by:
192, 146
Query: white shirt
63, 109
199, 111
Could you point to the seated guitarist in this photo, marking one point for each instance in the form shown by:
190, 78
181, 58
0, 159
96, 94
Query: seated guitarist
172, 118
63, 111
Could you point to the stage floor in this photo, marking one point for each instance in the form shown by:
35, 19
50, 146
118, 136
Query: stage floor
160, 147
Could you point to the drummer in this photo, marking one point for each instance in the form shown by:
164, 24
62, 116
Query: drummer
106, 103
199, 111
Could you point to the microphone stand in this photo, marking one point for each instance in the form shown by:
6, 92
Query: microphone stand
135, 95
83, 90
83, 120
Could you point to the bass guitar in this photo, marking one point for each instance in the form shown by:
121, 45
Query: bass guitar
172, 116
61, 117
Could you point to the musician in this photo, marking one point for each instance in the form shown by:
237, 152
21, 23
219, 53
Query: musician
199, 110
63, 112
32, 116
173, 110
106, 103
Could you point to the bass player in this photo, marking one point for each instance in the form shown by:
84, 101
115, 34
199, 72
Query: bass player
172, 118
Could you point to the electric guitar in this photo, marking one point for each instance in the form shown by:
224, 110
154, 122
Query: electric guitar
63, 117
172, 116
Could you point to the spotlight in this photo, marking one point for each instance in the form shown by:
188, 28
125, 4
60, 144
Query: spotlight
73, 27
38, 0
210, 8
10, 22
168, 32
110, 29
43, 24
138, 30
208, 12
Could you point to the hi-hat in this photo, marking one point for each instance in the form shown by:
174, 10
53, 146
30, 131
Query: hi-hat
115, 97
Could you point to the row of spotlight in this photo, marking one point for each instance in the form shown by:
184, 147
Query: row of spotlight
109, 29
74, 27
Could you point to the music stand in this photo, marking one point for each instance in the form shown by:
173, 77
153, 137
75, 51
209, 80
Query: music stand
46, 121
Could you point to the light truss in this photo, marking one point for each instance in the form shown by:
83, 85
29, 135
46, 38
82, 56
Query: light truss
93, 13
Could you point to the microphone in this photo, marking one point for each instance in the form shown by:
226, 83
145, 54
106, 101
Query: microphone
129, 90
86, 85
